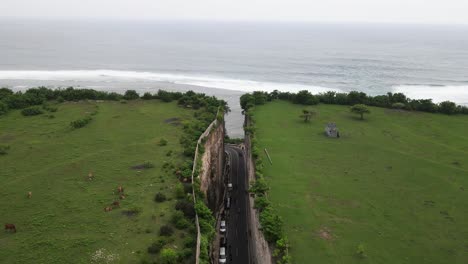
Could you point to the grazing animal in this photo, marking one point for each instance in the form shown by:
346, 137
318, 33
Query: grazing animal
108, 209
122, 197
29, 195
116, 204
90, 176
10, 227
120, 189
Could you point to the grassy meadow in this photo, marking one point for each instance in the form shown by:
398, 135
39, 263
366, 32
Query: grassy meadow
64, 220
392, 189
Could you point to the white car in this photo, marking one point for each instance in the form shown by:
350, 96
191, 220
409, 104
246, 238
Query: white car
222, 227
222, 255
230, 186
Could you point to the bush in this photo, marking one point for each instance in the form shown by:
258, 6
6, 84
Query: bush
160, 197
148, 165
4, 149
80, 122
169, 153
31, 111
166, 230
147, 96
162, 142
169, 256
49, 108
131, 95
271, 225
156, 247
3, 108
179, 220
448, 108
186, 207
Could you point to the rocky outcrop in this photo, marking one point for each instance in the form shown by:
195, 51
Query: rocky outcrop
211, 174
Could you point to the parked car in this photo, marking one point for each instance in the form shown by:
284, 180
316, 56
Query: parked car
230, 186
222, 242
228, 202
222, 255
222, 227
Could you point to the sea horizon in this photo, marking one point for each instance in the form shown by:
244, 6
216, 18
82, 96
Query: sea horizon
231, 58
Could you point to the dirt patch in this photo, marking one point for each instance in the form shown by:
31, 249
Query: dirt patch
131, 212
146, 165
325, 233
173, 121
6, 137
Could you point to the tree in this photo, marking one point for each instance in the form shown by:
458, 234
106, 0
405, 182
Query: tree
168, 256
360, 109
131, 95
448, 108
307, 114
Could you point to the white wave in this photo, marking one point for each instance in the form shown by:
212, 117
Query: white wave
454, 93
114, 75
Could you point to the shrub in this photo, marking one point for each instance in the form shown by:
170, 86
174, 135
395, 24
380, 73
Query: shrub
160, 197
3, 108
180, 191
4, 149
186, 207
271, 224
31, 111
162, 142
156, 247
131, 95
60, 99
147, 96
448, 108
169, 256
148, 165
80, 122
166, 230
49, 108
361, 251
169, 153
261, 202
179, 220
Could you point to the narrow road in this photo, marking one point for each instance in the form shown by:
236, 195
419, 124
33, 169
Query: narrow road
237, 229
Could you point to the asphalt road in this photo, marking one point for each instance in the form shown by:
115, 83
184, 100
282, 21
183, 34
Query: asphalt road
236, 216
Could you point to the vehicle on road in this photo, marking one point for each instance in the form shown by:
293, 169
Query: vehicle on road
222, 255
230, 186
222, 227
222, 242
228, 203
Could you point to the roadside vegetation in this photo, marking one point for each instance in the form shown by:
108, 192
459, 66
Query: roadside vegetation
101, 181
391, 189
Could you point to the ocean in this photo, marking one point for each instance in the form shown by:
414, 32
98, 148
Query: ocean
227, 59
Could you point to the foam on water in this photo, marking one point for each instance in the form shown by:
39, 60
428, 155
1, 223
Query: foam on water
457, 94
198, 80
439, 93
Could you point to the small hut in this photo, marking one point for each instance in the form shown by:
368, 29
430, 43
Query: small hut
331, 130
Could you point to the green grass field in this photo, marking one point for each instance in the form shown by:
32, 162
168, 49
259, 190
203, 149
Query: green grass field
394, 186
64, 221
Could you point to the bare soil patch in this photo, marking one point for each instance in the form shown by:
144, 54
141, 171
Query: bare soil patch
173, 121
325, 233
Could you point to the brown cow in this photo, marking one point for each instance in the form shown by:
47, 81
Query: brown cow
108, 209
90, 176
116, 204
120, 189
29, 195
10, 227
122, 197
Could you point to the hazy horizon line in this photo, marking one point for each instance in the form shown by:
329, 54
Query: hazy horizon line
227, 21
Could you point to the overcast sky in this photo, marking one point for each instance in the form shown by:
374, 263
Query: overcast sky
388, 11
